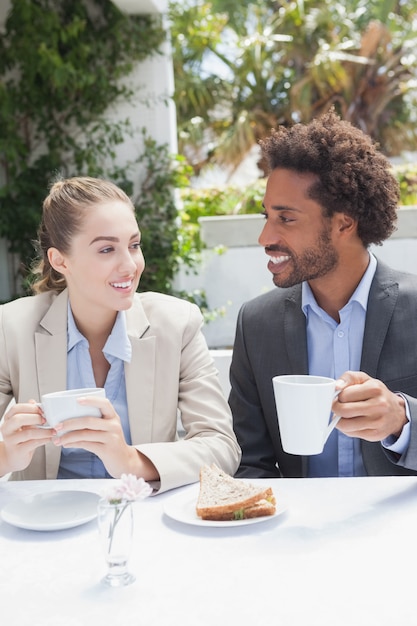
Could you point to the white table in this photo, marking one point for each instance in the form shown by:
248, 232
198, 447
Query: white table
343, 554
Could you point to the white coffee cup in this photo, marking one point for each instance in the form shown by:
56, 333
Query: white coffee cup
62, 405
304, 409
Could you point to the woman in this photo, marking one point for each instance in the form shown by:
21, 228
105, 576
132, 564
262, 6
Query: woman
87, 327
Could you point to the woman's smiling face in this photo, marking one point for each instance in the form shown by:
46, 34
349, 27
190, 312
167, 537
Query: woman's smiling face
105, 261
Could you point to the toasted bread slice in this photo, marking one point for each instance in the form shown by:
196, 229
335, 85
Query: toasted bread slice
260, 509
222, 497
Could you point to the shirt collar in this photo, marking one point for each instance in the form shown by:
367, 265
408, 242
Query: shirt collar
74, 335
360, 295
117, 345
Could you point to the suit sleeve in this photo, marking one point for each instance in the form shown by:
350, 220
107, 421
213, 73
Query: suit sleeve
258, 455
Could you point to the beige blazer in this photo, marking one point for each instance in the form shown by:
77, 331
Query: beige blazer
171, 369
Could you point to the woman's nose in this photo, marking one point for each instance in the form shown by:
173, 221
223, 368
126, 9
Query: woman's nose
127, 263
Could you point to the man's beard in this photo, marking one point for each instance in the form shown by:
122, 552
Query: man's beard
313, 263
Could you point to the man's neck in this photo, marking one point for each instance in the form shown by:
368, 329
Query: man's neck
335, 289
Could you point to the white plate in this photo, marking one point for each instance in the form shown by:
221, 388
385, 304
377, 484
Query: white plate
182, 509
55, 510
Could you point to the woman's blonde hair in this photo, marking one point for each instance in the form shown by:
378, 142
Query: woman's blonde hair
64, 210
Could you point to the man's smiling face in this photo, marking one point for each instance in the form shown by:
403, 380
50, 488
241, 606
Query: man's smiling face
296, 236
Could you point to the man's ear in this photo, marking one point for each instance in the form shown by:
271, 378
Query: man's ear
345, 223
57, 260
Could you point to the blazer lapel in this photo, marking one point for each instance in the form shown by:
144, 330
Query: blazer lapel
52, 370
140, 375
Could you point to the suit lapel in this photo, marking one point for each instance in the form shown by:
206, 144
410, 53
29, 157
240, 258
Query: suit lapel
140, 374
295, 333
381, 303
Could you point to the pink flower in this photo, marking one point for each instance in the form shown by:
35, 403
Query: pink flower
128, 489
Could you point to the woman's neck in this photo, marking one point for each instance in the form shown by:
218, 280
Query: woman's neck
96, 327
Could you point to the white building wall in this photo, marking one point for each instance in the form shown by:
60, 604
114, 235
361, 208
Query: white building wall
153, 107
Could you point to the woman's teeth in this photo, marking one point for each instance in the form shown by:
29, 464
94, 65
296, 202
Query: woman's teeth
122, 285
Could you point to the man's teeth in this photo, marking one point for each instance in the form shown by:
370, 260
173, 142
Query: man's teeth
279, 259
122, 285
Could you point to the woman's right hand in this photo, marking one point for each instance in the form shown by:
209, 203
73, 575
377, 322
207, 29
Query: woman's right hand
22, 435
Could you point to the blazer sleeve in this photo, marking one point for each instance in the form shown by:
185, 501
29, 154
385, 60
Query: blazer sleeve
6, 394
203, 410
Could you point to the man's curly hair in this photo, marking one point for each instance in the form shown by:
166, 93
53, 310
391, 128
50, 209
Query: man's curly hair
353, 176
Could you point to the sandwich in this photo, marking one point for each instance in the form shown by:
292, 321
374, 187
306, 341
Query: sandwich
223, 498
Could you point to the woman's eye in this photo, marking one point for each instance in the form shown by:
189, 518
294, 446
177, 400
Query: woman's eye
137, 245
106, 250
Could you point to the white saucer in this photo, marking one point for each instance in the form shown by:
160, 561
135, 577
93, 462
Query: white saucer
55, 510
182, 509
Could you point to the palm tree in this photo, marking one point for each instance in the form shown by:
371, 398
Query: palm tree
368, 75
276, 63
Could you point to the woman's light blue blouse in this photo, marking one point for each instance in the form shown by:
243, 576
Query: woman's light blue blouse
75, 462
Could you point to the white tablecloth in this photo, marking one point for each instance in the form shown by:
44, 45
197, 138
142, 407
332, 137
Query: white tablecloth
342, 554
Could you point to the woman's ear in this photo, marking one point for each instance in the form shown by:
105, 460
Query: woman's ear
57, 260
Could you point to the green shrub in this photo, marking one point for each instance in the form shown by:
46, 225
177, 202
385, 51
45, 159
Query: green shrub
157, 214
225, 200
62, 64
407, 178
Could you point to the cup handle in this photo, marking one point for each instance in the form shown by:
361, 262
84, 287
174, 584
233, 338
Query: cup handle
334, 421
331, 426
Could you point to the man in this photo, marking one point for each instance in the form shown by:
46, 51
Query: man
337, 311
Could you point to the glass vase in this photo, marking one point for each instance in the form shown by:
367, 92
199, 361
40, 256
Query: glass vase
115, 522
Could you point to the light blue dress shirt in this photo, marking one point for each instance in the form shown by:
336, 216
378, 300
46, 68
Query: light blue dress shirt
334, 348
75, 462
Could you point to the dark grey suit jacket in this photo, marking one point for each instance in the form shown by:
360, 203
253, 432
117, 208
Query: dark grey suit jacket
271, 340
